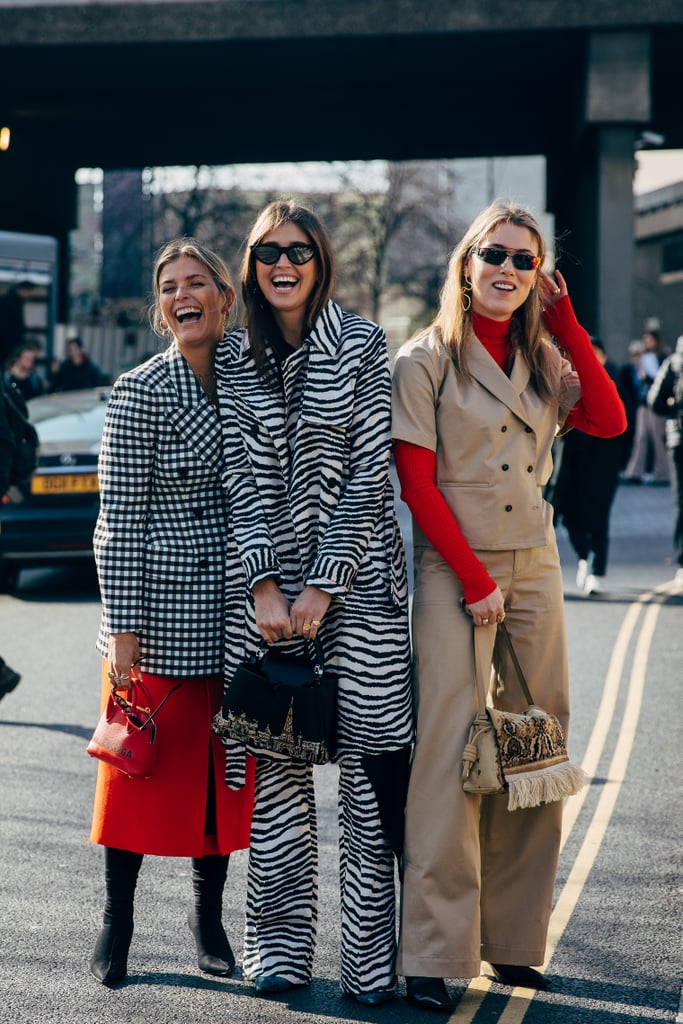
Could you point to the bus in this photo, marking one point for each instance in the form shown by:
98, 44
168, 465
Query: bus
34, 258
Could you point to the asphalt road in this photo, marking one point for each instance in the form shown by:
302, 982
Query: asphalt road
616, 929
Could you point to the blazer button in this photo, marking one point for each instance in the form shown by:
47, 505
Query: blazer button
203, 563
508, 508
183, 471
198, 513
503, 429
505, 467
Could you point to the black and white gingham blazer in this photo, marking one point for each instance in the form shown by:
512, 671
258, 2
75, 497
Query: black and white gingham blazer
160, 539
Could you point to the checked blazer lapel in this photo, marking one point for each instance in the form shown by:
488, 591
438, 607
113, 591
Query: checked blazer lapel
192, 414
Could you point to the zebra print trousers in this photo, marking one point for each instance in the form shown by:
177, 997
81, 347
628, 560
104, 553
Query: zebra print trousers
282, 887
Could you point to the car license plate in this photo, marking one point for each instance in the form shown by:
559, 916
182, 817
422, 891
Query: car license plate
65, 483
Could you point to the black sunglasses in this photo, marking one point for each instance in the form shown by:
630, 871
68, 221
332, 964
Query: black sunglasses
297, 253
520, 260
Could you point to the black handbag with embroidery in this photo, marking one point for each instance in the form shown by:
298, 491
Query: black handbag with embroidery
283, 701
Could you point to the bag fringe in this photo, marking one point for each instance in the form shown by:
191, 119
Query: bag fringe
544, 785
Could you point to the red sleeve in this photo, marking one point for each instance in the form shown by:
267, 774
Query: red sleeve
416, 468
600, 410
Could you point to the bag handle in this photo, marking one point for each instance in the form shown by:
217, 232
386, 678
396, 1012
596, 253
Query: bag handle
316, 657
482, 658
131, 707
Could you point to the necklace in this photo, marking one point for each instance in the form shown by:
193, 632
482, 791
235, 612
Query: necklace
207, 382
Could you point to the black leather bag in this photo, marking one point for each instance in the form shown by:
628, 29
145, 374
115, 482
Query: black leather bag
283, 702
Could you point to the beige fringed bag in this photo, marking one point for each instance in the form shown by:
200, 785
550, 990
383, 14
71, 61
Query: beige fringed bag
524, 754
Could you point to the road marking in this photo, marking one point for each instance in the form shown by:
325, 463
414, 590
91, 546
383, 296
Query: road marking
520, 999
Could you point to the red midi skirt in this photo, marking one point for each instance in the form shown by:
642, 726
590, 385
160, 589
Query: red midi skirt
166, 814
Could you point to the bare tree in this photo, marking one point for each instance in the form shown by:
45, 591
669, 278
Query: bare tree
399, 235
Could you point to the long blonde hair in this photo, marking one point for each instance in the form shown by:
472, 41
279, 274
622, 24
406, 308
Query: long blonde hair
454, 322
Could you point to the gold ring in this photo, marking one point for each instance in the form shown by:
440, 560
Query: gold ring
306, 627
557, 291
500, 617
315, 622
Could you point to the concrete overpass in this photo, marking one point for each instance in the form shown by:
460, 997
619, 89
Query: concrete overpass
157, 82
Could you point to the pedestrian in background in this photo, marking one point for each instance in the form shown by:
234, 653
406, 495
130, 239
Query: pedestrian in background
648, 463
13, 319
581, 490
22, 373
665, 398
8, 677
306, 412
77, 371
162, 551
478, 397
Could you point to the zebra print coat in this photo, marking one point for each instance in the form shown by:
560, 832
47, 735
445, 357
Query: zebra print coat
311, 503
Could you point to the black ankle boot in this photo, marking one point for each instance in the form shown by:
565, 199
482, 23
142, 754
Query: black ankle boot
109, 962
214, 954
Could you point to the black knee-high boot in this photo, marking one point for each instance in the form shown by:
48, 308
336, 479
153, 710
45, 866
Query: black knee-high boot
214, 954
109, 962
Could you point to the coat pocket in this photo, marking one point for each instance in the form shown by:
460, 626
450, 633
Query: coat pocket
172, 564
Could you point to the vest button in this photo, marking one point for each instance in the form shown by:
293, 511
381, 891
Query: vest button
505, 467
529, 469
508, 508
503, 429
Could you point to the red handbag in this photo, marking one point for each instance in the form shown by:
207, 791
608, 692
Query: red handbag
126, 734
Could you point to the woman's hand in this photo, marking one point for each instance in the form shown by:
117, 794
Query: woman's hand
308, 611
272, 611
489, 610
550, 291
124, 653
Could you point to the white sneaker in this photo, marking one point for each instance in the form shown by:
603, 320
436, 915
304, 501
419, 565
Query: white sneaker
581, 573
593, 585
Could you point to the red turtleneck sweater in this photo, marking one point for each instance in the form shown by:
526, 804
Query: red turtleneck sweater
599, 412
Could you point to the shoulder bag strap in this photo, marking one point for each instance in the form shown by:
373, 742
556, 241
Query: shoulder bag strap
482, 656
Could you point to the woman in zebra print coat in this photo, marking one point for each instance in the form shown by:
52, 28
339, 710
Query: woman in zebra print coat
305, 400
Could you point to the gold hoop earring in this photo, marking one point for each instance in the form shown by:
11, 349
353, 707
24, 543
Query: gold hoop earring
465, 297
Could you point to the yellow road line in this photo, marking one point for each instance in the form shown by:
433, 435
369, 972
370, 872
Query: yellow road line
520, 999
573, 887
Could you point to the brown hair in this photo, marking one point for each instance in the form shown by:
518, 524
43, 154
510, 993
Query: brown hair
259, 318
454, 322
172, 251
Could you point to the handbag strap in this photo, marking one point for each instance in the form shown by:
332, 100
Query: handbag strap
313, 650
131, 707
482, 658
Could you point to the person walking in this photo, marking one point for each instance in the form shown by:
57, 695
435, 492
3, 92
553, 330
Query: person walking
162, 551
581, 491
665, 398
477, 400
305, 398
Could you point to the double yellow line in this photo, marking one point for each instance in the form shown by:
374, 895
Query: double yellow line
520, 999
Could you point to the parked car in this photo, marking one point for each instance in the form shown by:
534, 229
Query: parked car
50, 520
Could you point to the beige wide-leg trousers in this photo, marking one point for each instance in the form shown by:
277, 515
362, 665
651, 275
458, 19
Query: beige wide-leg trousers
478, 878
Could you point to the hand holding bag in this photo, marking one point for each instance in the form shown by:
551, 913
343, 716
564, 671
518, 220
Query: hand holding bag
126, 734
284, 702
524, 754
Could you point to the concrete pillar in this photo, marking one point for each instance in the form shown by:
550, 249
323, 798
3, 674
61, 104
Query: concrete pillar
614, 237
618, 100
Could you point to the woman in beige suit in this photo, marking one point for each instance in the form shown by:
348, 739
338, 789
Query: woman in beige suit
478, 397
